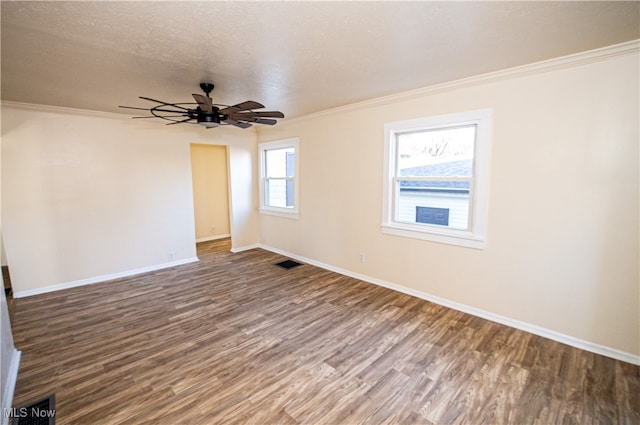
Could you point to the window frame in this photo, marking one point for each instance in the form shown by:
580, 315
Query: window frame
293, 212
475, 235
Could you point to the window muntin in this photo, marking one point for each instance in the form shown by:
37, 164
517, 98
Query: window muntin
279, 178
436, 178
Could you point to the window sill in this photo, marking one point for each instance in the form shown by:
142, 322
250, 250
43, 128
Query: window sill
445, 236
279, 213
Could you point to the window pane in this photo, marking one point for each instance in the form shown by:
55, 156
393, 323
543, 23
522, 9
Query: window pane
446, 152
280, 162
440, 203
278, 177
279, 193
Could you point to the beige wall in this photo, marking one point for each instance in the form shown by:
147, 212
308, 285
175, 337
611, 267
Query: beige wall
210, 191
89, 195
563, 224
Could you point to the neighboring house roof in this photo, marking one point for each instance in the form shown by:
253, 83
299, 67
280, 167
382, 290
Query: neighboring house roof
458, 168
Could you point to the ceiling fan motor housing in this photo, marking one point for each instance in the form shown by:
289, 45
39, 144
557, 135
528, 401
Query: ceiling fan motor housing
209, 119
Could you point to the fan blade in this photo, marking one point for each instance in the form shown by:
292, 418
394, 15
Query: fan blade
249, 104
237, 123
271, 114
265, 121
205, 102
249, 116
244, 106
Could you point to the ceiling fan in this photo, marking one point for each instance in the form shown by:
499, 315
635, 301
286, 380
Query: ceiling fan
209, 114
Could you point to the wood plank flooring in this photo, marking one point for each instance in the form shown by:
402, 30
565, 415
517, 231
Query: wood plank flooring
234, 339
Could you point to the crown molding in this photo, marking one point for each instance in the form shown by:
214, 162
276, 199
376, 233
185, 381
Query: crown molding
60, 110
563, 62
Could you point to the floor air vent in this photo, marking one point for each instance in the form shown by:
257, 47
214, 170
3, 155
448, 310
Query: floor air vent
288, 264
41, 412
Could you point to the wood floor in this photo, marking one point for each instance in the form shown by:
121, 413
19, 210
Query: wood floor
234, 339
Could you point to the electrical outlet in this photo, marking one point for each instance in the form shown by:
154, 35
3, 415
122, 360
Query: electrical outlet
213, 230
362, 257
171, 256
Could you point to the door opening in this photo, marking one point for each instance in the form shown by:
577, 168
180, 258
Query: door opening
211, 204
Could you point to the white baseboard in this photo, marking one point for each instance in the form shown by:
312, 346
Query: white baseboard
213, 238
527, 327
103, 278
10, 384
246, 248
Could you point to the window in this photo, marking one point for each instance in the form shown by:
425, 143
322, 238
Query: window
279, 178
436, 178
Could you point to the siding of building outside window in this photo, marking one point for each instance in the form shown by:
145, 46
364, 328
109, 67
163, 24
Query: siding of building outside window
279, 192
452, 195
457, 204
439, 185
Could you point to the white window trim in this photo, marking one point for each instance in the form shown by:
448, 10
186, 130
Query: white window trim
279, 211
475, 236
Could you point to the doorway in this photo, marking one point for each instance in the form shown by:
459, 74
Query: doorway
210, 175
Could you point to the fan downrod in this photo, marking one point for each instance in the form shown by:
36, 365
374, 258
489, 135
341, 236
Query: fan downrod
207, 88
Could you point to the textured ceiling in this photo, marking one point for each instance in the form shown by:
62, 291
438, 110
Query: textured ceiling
297, 57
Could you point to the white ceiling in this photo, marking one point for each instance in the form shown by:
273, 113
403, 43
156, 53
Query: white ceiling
297, 57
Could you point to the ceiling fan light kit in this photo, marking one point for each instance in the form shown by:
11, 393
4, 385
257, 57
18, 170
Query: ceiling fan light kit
204, 112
